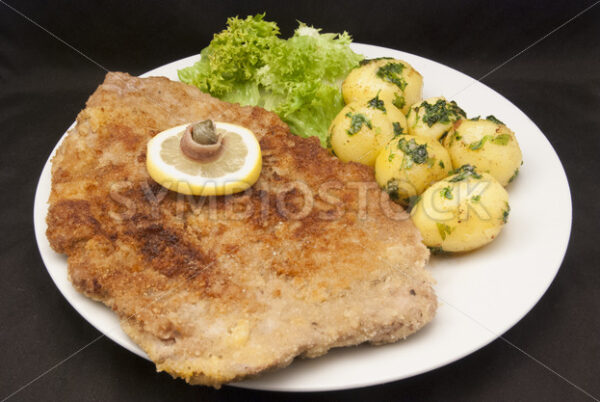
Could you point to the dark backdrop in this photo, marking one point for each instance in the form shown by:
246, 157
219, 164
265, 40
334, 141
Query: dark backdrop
44, 84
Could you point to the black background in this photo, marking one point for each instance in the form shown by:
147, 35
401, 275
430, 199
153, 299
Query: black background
44, 84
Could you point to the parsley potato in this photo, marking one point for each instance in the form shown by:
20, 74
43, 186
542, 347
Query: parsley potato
487, 144
433, 117
463, 212
361, 130
408, 165
393, 80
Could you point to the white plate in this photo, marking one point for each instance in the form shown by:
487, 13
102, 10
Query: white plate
481, 294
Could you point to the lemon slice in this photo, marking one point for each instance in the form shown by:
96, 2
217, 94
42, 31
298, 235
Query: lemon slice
236, 169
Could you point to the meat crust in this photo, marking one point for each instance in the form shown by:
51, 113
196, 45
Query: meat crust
216, 289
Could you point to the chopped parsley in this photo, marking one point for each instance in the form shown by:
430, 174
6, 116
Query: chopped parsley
391, 72
447, 193
442, 165
443, 137
444, 230
463, 172
398, 130
411, 201
476, 198
399, 101
493, 119
501, 139
441, 112
391, 187
377, 103
505, 213
364, 62
474, 146
438, 251
357, 120
514, 176
418, 153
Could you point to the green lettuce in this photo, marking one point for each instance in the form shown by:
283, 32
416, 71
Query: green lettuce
298, 78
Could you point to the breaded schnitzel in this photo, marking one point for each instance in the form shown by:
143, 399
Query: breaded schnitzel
219, 288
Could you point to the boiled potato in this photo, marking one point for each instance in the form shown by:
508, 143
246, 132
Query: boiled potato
361, 130
462, 212
487, 144
408, 164
393, 80
433, 117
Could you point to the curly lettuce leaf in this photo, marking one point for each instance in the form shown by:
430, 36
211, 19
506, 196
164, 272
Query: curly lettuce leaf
316, 113
298, 78
233, 56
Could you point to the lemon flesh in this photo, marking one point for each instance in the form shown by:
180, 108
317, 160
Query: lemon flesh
236, 169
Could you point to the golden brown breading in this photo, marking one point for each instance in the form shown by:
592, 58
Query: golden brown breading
219, 288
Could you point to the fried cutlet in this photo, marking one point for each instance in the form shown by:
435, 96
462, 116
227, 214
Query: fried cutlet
215, 289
